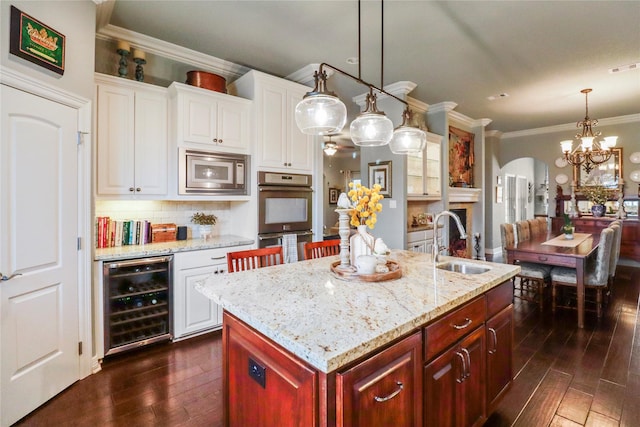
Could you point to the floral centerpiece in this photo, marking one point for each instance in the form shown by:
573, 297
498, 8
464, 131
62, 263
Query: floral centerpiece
598, 195
366, 206
366, 203
568, 227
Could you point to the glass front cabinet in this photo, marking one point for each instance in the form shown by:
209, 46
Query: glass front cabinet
424, 171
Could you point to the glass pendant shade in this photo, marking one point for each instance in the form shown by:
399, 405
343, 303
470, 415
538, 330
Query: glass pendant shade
566, 145
371, 130
587, 143
609, 142
330, 149
320, 114
408, 140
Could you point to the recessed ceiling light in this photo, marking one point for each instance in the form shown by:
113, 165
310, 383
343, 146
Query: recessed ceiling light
627, 67
494, 97
352, 61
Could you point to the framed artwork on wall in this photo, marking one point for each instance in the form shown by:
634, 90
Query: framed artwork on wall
380, 173
460, 158
333, 196
34, 41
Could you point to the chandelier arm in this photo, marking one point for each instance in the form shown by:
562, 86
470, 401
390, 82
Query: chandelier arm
359, 80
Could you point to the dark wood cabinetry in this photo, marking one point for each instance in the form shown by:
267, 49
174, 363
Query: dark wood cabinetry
629, 247
450, 372
263, 383
384, 390
454, 384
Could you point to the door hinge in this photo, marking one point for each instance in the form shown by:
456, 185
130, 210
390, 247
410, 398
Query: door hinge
79, 243
80, 348
81, 137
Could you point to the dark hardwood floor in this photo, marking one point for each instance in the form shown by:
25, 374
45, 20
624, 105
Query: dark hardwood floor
565, 376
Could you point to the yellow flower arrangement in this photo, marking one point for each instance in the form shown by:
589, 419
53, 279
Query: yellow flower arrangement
366, 203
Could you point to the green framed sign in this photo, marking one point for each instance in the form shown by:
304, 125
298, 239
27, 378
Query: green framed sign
36, 42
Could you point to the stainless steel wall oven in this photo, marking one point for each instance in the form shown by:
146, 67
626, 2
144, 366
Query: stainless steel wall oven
284, 207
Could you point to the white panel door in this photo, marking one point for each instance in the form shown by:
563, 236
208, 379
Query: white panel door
38, 243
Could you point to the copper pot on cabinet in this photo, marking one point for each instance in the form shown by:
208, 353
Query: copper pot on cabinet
207, 80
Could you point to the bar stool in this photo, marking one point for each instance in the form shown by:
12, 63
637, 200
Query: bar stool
254, 258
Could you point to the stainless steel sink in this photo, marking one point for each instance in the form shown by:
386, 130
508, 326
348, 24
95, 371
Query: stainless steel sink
463, 268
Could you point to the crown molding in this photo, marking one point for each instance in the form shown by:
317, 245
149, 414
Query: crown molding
399, 89
417, 105
493, 134
151, 45
440, 107
610, 121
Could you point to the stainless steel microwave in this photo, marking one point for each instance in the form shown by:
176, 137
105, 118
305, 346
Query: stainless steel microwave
208, 172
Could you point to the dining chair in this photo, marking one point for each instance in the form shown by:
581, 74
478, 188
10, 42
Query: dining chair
596, 275
321, 249
533, 278
615, 251
254, 258
543, 223
536, 227
523, 232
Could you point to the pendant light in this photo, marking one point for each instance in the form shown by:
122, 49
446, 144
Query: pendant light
321, 112
407, 139
371, 128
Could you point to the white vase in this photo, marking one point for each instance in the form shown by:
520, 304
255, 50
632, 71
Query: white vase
361, 243
205, 231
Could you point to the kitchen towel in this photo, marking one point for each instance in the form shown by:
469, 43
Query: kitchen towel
290, 248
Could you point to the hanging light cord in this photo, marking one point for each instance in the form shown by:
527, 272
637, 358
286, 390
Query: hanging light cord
381, 43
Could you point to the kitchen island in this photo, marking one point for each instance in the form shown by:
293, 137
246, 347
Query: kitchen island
304, 347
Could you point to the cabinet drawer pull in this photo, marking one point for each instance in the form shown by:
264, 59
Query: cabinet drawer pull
215, 258
463, 370
392, 395
542, 258
495, 341
467, 370
466, 324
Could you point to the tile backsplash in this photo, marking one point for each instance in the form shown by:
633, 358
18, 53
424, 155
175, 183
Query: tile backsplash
160, 212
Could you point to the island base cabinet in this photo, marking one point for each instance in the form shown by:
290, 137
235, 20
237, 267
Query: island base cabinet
263, 386
499, 356
384, 390
454, 384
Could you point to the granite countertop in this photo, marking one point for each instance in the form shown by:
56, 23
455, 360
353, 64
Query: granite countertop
330, 322
152, 249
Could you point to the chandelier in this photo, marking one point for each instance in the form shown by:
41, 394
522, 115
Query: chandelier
330, 147
321, 112
590, 152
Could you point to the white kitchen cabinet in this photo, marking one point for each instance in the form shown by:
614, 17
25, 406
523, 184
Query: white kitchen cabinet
421, 241
210, 120
132, 138
280, 145
193, 312
424, 171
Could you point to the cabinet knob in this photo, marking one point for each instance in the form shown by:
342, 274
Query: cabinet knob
215, 139
131, 189
220, 140
138, 189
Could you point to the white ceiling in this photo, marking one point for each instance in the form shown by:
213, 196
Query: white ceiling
540, 53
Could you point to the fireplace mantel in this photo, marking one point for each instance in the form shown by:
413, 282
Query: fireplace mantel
462, 194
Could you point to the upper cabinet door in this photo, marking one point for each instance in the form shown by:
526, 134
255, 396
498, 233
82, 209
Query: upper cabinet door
211, 121
300, 147
132, 138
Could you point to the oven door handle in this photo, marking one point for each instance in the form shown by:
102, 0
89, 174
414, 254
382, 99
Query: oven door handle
279, 188
278, 235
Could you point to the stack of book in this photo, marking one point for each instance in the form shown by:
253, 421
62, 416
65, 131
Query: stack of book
110, 233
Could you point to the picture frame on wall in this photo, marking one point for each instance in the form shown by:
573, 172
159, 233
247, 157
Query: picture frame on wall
334, 193
380, 173
461, 158
36, 42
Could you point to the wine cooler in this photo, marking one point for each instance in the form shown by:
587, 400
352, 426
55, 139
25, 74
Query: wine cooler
137, 298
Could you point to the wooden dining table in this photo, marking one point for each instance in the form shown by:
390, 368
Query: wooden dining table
549, 250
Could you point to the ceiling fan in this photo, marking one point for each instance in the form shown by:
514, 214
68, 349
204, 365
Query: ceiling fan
343, 145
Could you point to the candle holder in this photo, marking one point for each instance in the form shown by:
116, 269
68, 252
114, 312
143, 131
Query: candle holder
343, 231
122, 69
139, 71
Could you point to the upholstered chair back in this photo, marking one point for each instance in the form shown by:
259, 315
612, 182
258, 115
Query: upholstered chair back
598, 275
523, 231
508, 238
544, 224
535, 227
615, 250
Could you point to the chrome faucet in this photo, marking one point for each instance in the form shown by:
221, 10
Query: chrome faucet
436, 248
